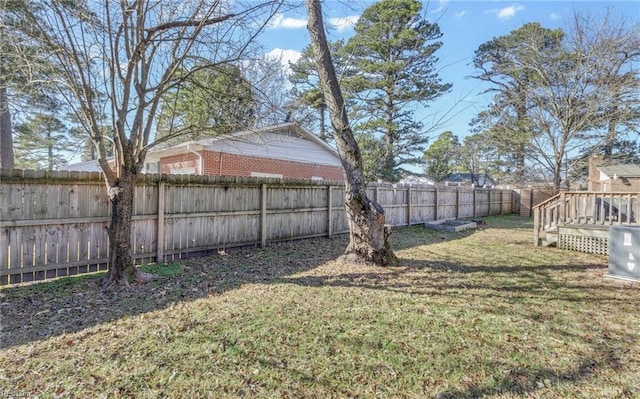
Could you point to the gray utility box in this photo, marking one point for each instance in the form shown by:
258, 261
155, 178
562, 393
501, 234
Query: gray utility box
624, 252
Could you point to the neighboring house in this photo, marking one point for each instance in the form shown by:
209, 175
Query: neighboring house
468, 179
609, 177
86, 166
281, 151
416, 178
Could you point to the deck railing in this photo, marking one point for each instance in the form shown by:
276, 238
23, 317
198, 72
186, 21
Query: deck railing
584, 208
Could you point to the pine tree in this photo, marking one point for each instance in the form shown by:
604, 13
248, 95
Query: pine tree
42, 143
393, 51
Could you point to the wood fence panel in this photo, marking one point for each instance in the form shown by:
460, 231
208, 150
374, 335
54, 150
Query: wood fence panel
482, 202
508, 202
394, 202
338, 211
296, 212
5, 200
55, 224
423, 204
495, 204
466, 203
4, 254
64, 202
447, 204
29, 194
15, 210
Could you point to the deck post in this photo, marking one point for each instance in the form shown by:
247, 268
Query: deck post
562, 208
536, 227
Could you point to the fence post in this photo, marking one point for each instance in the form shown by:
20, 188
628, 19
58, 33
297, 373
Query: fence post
263, 215
160, 226
435, 212
457, 202
329, 212
409, 206
562, 209
490, 211
473, 190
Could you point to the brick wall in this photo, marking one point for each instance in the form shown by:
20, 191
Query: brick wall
624, 184
181, 161
593, 180
225, 164
621, 184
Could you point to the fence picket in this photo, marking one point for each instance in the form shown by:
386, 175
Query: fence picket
55, 223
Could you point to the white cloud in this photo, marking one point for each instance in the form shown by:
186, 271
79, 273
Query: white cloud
460, 14
554, 16
285, 56
343, 23
508, 12
441, 5
280, 21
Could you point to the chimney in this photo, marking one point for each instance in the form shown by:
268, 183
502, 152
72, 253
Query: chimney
593, 180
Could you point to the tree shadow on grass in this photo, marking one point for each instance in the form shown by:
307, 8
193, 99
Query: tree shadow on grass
526, 293
418, 235
38, 311
442, 277
523, 381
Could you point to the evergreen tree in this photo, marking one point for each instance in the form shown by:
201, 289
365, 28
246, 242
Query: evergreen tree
42, 143
393, 51
210, 101
21, 65
368, 235
442, 156
307, 91
479, 155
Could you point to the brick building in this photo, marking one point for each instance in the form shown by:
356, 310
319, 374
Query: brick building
281, 151
610, 177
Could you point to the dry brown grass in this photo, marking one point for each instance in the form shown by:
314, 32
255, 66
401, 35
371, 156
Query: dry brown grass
476, 314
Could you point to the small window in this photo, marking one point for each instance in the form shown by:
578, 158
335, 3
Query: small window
151, 167
272, 175
183, 171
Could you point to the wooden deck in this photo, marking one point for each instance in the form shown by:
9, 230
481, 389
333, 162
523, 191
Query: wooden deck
580, 220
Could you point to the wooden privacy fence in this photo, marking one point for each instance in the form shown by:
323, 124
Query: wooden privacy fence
55, 223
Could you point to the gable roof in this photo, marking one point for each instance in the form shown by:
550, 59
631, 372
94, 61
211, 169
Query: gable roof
482, 178
287, 141
621, 170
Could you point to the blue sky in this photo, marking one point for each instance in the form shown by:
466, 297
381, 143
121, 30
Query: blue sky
465, 26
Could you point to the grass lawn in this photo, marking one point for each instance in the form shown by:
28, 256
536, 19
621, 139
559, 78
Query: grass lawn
465, 315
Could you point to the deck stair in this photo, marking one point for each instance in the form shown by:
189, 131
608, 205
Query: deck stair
550, 238
580, 220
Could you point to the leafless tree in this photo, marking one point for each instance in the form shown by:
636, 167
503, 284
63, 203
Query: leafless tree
586, 93
117, 59
612, 46
369, 239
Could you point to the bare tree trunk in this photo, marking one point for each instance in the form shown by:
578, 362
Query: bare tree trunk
6, 138
122, 270
610, 138
323, 134
368, 239
519, 174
